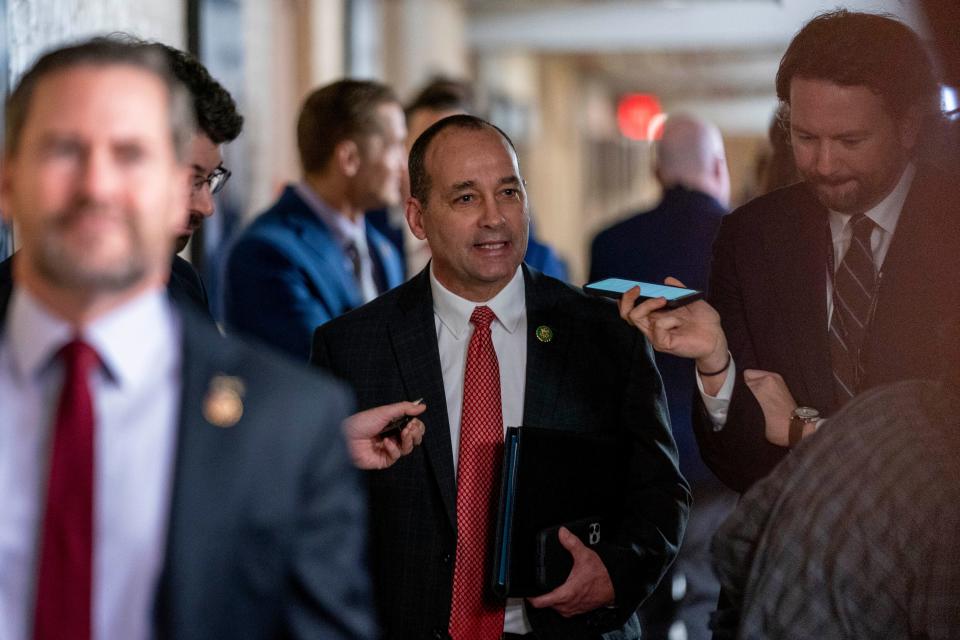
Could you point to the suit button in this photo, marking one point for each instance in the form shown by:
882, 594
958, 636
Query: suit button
440, 634
447, 558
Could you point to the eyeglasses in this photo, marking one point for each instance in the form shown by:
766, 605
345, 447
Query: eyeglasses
215, 181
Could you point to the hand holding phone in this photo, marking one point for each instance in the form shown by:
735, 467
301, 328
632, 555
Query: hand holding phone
616, 287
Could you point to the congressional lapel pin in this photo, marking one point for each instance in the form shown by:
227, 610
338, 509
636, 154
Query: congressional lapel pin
544, 333
223, 406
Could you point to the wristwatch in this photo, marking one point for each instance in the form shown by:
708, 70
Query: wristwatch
800, 418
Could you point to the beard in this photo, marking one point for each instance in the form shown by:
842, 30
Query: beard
845, 197
72, 257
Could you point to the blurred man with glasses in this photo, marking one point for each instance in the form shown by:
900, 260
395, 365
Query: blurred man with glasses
218, 123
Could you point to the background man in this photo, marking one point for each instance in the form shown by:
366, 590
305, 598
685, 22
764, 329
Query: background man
218, 123
183, 486
541, 354
312, 255
675, 237
837, 284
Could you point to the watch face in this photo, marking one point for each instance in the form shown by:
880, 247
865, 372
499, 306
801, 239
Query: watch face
806, 413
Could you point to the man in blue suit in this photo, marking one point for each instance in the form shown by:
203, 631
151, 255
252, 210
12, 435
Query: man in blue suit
312, 255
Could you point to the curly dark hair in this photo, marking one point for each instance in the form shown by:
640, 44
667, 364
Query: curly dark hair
873, 50
443, 94
215, 109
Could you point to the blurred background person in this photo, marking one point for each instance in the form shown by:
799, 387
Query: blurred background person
313, 256
676, 237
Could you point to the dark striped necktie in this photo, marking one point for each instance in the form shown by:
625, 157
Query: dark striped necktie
854, 285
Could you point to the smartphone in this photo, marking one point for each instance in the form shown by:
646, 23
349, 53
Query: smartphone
395, 426
616, 287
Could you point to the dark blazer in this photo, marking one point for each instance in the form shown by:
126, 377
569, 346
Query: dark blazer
184, 287
672, 239
768, 283
596, 374
267, 526
286, 275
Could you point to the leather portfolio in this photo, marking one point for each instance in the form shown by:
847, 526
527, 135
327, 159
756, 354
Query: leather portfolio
553, 478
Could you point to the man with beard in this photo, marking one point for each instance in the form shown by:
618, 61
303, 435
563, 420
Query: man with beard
158, 480
835, 285
218, 123
487, 341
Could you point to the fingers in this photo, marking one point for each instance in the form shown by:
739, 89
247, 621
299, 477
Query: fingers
411, 436
569, 541
673, 282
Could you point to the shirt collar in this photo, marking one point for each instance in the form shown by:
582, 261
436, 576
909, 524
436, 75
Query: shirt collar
887, 212
454, 312
128, 339
344, 230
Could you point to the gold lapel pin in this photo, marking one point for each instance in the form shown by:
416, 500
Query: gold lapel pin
544, 333
223, 406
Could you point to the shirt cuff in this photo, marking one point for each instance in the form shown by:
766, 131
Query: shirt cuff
718, 405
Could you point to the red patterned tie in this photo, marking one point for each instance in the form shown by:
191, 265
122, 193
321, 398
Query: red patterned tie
66, 553
478, 469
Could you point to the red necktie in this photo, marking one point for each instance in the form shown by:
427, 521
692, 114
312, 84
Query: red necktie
478, 469
66, 552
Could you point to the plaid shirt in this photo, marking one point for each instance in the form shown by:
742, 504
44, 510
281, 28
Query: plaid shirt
857, 533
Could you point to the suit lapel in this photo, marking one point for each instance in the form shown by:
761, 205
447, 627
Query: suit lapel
199, 508
413, 337
548, 339
798, 252
320, 243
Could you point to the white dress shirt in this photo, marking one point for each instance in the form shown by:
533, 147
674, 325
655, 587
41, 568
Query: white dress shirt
885, 215
136, 396
509, 335
345, 232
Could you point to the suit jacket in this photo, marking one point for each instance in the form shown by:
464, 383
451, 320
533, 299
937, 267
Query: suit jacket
184, 286
286, 275
768, 283
595, 375
266, 534
672, 239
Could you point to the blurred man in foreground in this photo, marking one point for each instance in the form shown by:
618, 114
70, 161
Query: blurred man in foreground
183, 485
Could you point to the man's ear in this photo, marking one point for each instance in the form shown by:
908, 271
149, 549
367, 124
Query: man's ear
909, 127
414, 215
347, 156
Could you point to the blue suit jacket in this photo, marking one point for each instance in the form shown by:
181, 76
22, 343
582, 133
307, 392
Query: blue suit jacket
673, 239
286, 275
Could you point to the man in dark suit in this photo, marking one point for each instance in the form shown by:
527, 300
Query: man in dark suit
542, 354
312, 255
840, 283
158, 480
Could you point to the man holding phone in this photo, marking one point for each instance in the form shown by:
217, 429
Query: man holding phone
488, 342
837, 284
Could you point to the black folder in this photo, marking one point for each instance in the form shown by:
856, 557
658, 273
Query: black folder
553, 478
